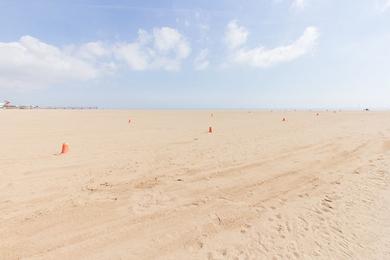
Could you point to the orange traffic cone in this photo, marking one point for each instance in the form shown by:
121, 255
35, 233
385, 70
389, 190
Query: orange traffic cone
210, 129
65, 148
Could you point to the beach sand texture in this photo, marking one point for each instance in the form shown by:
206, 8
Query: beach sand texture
162, 187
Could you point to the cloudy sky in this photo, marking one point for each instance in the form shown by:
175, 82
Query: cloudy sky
196, 54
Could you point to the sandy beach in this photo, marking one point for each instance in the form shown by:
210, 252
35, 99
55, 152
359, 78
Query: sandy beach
162, 187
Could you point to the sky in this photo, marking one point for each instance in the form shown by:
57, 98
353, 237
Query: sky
299, 54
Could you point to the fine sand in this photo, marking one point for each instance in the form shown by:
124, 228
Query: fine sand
162, 187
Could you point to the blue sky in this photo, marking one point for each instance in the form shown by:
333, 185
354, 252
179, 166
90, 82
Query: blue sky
196, 54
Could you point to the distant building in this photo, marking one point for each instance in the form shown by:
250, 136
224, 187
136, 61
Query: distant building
4, 104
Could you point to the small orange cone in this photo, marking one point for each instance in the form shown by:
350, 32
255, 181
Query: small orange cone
210, 129
65, 148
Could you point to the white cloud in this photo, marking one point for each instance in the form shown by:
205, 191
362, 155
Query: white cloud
263, 57
165, 48
31, 63
93, 50
386, 5
299, 4
201, 62
235, 35
133, 54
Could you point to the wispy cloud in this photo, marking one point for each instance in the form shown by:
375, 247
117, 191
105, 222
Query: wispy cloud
386, 5
299, 4
235, 35
263, 57
156, 9
201, 61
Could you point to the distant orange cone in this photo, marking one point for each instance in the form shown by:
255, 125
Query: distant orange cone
210, 129
65, 148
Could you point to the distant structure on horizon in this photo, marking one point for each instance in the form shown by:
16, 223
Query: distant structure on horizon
7, 105
4, 104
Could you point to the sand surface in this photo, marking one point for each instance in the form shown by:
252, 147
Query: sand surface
161, 187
